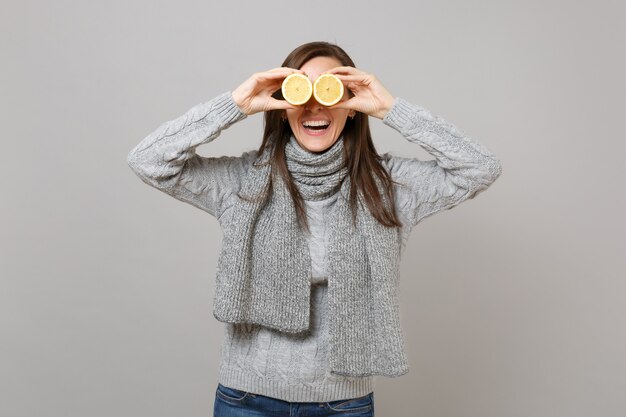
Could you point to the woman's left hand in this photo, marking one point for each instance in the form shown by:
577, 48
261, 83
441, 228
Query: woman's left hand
370, 97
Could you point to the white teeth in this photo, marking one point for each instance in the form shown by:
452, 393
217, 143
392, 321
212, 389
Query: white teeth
316, 123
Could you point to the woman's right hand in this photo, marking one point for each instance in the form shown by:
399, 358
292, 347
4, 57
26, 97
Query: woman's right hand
255, 94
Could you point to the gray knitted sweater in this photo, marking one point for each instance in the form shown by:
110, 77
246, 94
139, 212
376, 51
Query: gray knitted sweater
265, 361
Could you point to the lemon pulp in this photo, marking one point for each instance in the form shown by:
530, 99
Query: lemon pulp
297, 89
328, 89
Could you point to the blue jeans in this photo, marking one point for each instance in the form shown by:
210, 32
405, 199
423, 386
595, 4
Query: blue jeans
230, 402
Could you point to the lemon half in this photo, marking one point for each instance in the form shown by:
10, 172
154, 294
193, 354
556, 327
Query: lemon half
328, 89
297, 89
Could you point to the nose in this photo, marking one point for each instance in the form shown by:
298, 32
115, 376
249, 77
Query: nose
313, 105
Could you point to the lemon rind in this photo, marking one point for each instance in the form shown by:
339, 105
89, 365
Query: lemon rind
327, 103
285, 96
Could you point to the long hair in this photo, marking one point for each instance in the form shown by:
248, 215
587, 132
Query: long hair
364, 163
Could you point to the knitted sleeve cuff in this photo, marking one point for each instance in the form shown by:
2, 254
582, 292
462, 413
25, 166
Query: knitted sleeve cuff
400, 114
226, 110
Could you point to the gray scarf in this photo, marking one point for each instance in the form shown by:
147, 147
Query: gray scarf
264, 269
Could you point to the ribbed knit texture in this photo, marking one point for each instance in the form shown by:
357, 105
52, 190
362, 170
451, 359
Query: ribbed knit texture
286, 366
166, 160
283, 365
264, 267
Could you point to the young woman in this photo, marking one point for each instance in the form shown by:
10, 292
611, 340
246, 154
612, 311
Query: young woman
314, 223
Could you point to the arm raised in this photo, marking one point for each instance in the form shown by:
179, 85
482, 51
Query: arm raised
166, 159
462, 168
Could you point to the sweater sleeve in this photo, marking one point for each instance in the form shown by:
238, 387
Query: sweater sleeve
462, 168
166, 159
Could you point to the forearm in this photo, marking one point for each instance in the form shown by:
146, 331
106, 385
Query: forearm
462, 167
469, 163
160, 158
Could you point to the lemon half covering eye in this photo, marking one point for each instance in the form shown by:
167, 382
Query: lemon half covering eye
328, 89
297, 89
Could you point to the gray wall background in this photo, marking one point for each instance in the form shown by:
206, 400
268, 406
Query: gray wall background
513, 303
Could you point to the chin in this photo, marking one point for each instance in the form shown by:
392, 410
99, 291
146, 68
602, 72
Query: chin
316, 143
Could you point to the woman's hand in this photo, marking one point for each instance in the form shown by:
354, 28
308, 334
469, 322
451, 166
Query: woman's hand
255, 94
370, 97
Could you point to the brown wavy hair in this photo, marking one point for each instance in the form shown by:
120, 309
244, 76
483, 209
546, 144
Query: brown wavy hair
364, 163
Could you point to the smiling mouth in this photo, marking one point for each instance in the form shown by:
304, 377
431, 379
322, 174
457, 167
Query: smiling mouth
316, 128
